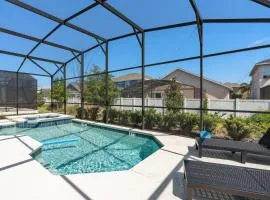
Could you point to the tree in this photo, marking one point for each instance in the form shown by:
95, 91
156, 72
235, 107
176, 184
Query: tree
243, 92
40, 98
205, 103
245, 89
173, 96
94, 91
59, 92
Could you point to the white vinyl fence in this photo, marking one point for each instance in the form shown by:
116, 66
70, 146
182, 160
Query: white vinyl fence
229, 104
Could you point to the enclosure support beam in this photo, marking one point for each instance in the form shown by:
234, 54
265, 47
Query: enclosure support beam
87, 50
35, 63
76, 57
37, 45
17, 93
82, 81
28, 37
51, 17
65, 90
58, 67
60, 21
200, 34
32, 57
101, 47
210, 55
191, 23
106, 83
52, 93
119, 14
265, 3
176, 60
255, 20
236, 21
143, 71
138, 38
201, 78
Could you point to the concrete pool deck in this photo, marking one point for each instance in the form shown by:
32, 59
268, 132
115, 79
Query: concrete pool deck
160, 176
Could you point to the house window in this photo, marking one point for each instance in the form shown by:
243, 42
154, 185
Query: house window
266, 71
121, 84
132, 82
156, 95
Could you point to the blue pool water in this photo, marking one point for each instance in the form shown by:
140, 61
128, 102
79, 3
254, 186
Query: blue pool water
96, 149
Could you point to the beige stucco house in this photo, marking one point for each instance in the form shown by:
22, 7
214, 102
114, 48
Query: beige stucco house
260, 85
128, 80
155, 88
212, 89
189, 82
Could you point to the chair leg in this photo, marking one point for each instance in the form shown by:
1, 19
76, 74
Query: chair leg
243, 157
200, 151
189, 193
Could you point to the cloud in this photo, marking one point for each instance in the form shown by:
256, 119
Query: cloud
258, 42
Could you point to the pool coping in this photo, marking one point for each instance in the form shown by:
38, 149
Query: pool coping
38, 145
14, 120
111, 126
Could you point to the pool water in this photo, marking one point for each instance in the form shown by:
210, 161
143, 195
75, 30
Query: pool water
98, 149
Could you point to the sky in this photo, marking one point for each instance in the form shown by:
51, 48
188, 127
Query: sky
159, 46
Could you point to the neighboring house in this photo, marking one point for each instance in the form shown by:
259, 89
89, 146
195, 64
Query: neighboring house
189, 82
212, 89
128, 80
260, 87
74, 91
27, 90
154, 88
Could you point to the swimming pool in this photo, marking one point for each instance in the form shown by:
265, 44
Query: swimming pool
94, 149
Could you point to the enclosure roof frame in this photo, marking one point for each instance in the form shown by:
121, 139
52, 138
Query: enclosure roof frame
101, 40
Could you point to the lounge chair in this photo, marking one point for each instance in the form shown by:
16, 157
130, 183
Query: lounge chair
234, 180
261, 148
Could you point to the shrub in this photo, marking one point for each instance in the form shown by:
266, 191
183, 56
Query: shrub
188, 121
136, 117
260, 118
237, 128
211, 121
72, 110
93, 113
124, 117
80, 113
169, 120
259, 123
113, 115
44, 108
152, 118
257, 130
